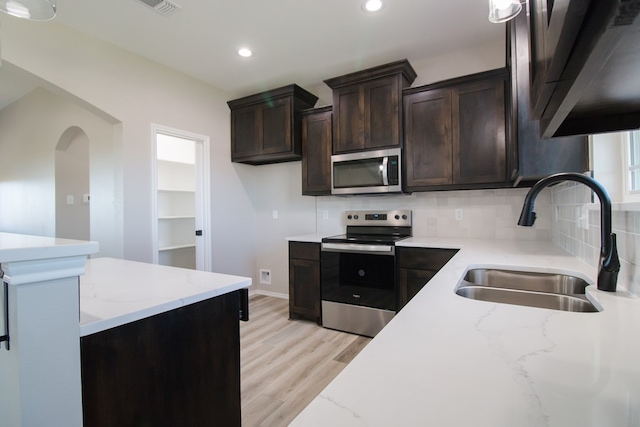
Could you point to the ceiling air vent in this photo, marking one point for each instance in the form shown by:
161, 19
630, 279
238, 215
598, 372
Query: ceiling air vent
163, 7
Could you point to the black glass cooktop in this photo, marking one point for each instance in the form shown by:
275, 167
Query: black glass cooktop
371, 235
360, 238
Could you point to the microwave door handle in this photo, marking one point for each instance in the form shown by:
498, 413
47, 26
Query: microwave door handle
385, 171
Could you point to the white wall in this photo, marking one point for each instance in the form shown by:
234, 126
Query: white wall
30, 130
137, 92
72, 179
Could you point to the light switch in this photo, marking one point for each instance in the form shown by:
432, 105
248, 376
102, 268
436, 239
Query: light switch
70, 200
275, 214
85, 198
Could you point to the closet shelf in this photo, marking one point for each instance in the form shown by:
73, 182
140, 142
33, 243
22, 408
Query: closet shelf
173, 248
168, 217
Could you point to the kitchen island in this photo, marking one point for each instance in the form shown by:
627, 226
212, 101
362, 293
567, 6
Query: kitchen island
160, 345
448, 360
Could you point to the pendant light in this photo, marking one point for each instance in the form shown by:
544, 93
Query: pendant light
503, 10
35, 10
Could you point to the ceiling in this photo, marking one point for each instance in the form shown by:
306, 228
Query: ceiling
295, 41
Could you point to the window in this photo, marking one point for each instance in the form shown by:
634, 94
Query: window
633, 163
631, 167
615, 162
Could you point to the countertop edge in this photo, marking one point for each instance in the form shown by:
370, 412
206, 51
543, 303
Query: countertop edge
158, 303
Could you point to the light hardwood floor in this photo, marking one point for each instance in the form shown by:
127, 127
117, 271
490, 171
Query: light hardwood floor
286, 363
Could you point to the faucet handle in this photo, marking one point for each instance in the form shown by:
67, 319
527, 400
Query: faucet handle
609, 267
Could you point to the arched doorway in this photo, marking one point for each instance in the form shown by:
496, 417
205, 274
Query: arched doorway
72, 185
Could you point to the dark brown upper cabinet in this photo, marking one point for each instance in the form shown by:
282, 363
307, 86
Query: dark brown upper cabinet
456, 133
267, 127
316, 151
367, 107
584, 65
536, 157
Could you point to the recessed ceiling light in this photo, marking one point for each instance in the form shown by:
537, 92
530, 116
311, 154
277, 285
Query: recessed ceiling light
244, 52
372, 5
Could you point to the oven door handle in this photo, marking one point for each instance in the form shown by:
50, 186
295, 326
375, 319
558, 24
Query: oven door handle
359, 248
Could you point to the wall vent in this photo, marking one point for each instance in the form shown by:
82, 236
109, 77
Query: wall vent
163, 7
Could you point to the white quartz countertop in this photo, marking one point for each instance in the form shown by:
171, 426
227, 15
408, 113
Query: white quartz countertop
22, 247
445, 360
308, 238
114, 291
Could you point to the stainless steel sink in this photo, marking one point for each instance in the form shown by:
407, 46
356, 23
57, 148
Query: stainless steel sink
544, 290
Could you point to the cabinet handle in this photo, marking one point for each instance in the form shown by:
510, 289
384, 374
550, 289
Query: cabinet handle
5, 337
244, 305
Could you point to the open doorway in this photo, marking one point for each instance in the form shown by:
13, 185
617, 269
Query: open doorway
182, 204
72, 185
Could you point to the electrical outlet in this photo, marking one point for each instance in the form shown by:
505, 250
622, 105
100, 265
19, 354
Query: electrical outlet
265, 276
70, 200
458, 214
583, 220
325, 214
275, 214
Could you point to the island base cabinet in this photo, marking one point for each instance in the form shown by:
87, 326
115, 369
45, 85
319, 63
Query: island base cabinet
178, 368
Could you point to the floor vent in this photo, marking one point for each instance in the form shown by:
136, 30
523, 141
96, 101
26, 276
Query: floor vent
163, 7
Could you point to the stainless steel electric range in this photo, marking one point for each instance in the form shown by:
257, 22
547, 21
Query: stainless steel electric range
358, 277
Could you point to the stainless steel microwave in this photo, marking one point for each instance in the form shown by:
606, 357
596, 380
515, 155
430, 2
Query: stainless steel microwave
367, 172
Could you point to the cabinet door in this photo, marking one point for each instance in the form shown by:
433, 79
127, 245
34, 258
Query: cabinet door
536, 157
304, 281
416, 266
410, 281
382, 120
479, 132
178, 368
553, 27
246, 124
276, 132
428, 144
316, 153
348, 109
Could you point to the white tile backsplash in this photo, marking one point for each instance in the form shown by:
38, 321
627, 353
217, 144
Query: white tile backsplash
486, 214
572, 201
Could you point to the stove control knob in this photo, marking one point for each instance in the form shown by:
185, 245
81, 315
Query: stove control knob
397, 217
355, 217
404, 217
348, 216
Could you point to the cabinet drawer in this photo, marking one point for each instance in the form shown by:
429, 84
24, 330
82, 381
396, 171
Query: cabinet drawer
424, 258
304, 250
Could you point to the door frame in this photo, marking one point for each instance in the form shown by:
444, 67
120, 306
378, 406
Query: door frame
203, 193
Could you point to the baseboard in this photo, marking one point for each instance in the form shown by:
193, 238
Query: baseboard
269, 294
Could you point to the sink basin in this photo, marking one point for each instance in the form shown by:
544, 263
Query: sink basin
544, 290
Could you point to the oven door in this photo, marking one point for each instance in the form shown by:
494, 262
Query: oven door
363, 278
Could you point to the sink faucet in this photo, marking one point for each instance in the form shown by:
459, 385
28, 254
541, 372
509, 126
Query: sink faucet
609, 265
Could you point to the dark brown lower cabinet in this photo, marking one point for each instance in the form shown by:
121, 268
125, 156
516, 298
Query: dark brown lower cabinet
416, 266
178, 368
304, 281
